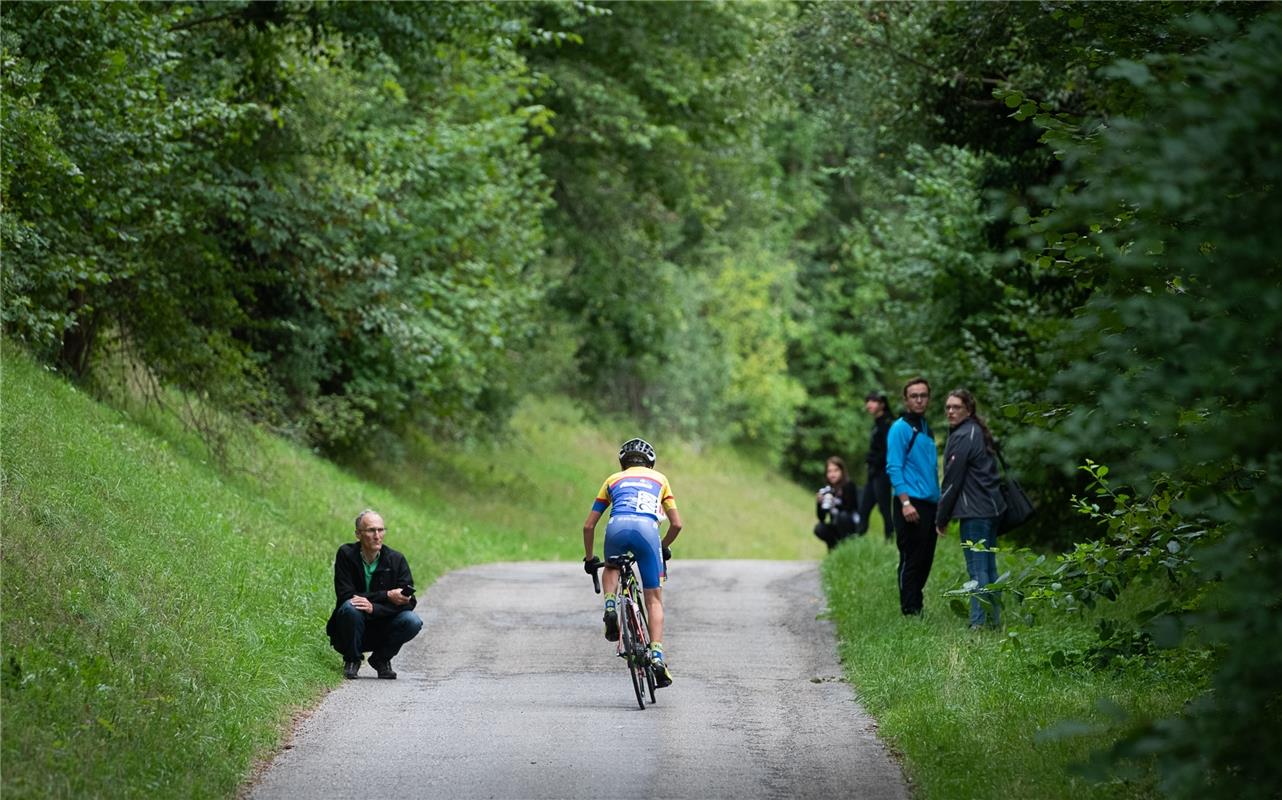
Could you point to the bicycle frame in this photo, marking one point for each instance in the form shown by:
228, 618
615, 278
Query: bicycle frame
634, 627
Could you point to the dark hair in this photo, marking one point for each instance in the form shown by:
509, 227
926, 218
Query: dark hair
914, 382
839, 464
968, 400
881, 400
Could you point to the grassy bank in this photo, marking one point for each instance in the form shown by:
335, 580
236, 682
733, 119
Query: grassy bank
972, 718
162, 617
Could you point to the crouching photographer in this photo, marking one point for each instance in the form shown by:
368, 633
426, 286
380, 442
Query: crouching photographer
836, 505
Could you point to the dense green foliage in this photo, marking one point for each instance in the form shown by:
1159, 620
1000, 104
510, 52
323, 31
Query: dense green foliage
362, 223
324, 215
674, 256
1115, 285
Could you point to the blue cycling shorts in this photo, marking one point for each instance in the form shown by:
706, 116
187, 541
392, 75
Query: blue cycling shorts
640, 536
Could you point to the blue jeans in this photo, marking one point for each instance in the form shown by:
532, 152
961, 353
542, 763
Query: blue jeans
981, 567
355, 632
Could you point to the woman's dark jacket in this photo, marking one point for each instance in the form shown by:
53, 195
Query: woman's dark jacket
971, 487
877, 446
844, 505
392, 572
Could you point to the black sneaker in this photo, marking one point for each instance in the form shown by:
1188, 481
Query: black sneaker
350, 668
611, 620
662, 677
383, 668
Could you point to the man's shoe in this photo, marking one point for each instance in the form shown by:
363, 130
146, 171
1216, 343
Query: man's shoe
611, 620
383, 668
350, 668
662, 677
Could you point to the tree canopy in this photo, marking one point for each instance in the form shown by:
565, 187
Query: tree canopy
350, 220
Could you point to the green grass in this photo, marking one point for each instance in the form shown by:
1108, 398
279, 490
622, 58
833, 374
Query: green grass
163, 617
974, 719
527, 493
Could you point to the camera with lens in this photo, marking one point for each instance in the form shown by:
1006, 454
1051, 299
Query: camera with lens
826, 498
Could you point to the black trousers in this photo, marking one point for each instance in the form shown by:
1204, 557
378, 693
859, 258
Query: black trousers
837, 528
876, 492
916, 541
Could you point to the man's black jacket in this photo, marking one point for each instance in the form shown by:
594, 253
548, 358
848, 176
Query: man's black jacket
877, 446
392, 572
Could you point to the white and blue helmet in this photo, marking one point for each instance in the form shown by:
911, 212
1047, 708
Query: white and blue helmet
636, 452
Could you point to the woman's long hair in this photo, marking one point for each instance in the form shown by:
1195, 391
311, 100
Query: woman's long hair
841, 465
968, 400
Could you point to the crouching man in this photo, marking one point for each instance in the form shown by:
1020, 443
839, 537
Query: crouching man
375, 599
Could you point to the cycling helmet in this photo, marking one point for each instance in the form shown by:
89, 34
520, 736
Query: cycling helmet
636, 452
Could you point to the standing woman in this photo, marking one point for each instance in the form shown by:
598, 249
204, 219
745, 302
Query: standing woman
972, 494
877, 488
835, 504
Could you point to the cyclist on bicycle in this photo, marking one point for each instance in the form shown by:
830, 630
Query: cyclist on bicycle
638, 496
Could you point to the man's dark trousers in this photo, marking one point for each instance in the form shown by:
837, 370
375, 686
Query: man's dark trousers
355, 632
916, 541
876, 493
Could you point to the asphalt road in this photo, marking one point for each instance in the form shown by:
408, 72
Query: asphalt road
511, 691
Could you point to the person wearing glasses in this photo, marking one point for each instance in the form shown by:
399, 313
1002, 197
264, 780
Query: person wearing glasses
374, 590
911, 464
972, 494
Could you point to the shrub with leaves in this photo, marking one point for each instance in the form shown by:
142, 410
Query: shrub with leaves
1178, 222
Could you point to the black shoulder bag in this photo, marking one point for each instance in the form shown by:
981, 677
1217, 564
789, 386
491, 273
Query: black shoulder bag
1019, 509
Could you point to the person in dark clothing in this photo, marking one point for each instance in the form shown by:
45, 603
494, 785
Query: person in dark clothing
374, 591
911, 465
836, 505
877, 486
972, 494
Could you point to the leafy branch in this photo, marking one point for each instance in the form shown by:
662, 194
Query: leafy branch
1145, 538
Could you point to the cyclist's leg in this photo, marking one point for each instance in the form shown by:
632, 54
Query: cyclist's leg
609, 581
648, 550
654, 613
620, 537
643, 541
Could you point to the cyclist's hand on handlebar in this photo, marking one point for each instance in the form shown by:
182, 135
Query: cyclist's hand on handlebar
667, 553
590, 565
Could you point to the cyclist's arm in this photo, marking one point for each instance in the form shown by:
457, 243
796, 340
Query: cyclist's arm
674, 526
589, 532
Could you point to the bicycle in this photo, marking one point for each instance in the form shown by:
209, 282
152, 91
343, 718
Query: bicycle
634, 628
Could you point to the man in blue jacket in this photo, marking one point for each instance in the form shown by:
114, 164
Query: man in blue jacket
374, 600
913, 469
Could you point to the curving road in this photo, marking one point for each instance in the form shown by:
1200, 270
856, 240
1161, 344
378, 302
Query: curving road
512, 692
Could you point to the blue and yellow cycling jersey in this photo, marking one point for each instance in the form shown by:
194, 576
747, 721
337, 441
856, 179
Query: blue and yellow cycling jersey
635, 490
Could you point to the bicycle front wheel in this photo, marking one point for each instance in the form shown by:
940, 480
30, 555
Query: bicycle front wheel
633, 650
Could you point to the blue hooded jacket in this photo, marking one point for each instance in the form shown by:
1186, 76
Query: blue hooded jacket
916, 472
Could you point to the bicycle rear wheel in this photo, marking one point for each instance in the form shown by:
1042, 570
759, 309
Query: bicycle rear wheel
632, 648
645, 642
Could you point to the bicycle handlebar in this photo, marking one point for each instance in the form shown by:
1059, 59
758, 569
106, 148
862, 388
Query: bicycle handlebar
594, 568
